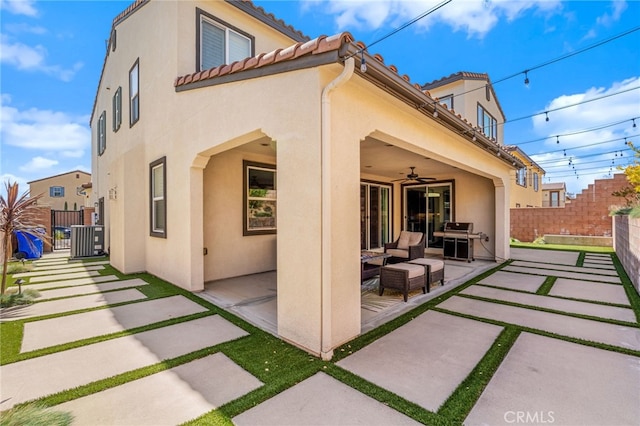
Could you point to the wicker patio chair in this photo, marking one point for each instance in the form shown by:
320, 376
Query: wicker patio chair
408, 246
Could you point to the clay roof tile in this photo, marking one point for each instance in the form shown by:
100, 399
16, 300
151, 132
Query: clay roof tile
287, 53
334, 42
268, 58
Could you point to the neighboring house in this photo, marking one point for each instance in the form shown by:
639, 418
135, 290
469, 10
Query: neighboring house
290, 158
527, 191
554, 194
61, 192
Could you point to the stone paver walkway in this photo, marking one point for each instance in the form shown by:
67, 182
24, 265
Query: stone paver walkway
586, 290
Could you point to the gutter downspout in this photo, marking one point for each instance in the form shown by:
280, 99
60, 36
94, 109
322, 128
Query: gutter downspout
326, 351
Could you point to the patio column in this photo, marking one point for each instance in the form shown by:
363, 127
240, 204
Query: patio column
196, 223
503, 220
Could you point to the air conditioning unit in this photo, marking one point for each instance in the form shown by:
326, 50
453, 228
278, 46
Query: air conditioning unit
87, 241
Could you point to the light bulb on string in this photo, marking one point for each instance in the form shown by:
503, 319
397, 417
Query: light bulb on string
435, 109
565, 152
363, 63
557, 137
634, 122
547, 116
526, 78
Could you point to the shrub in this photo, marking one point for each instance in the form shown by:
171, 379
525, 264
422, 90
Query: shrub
35, 415
13, 298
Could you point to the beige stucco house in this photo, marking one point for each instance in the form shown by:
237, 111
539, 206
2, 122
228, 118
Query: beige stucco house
554, 194
63, 191
290, 158
527, 191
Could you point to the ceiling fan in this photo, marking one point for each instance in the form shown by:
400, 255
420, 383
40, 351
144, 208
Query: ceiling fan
413, 176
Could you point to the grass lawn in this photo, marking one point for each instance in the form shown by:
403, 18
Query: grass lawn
564, 247
280, 365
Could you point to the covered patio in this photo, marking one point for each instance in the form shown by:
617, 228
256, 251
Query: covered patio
254, 297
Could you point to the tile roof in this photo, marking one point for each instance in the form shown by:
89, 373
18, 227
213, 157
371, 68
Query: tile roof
460, 75
523, 155
61, 174
553, 185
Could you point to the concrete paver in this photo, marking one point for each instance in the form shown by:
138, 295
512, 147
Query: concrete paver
567, 268
599, 265
57, 331
564, 274
586, 290
88, 289
610, 334
39, 268
571, 306
321, 400
69, 304
75, 367
77, 282
54, 272
428, 369
72, 275
563, 383
553, 256
514, 281
167, 398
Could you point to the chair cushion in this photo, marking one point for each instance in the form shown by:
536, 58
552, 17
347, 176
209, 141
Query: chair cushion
398, 253
403, 241
414, 238
414, 270
436, 264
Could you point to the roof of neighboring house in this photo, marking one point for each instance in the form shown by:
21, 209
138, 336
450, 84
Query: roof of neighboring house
465, 75
512, 148
337, 48
61, 174
553, 185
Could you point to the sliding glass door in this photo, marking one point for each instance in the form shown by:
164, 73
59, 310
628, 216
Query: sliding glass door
427, 208
375, 215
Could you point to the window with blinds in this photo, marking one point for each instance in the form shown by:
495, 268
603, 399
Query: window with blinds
220, 44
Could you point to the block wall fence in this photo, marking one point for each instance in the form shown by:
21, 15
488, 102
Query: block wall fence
626, 243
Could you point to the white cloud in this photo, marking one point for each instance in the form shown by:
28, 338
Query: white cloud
23, 28
7, 177
33, 58
476, 17
38, 164
50, 131
618, 7
19, 7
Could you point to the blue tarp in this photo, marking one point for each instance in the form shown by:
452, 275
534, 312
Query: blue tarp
31, 250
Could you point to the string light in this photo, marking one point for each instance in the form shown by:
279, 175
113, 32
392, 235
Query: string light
363, 63
526, 78
435, 109
557, 137
634, 122
547, 116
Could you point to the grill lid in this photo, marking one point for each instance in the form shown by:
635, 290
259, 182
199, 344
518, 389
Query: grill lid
458, 226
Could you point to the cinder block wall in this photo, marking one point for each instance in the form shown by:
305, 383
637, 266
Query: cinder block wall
588, 214
626, 243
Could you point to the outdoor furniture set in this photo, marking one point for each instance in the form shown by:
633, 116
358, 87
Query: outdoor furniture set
403, 266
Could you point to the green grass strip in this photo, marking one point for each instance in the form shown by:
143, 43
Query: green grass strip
580, 261
563, 247
630, 290
458, 406
546, 286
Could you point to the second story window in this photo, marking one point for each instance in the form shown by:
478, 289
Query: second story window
487, 123
102, 133
535, 182
117, 109
447, 100
134, 94
219, 43
521, 177
56, 191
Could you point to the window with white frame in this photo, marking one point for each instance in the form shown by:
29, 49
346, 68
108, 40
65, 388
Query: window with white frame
521, 177
535, 182
260, 199
158, 198
487, 123
447, 100
220, 43
134, 93
102, 133
56, 191
117, 109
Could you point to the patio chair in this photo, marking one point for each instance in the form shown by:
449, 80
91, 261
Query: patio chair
408, 246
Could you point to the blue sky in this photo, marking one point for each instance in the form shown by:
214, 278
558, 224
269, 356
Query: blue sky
52, 53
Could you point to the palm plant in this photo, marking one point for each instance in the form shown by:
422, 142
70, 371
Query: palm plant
17, 213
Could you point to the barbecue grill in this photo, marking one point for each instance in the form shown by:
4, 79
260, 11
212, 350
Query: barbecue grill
458, 240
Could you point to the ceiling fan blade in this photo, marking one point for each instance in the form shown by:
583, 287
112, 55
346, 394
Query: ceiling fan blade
397, 180
425, 179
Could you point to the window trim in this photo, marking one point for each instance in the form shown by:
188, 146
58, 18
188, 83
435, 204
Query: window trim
536, 178
154, 232
117, 109
136, 96
102, 133
551, 203
521, 177
246, 165
447, 100
53, 189
493, 133
201, 14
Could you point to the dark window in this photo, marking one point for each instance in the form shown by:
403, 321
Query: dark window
100, 218
487, 123
134, 93
219, 43
117, 109
260, 199
158, 198
56, 191
102, 133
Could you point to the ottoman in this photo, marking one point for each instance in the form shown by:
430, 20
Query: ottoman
404, 277
433, 269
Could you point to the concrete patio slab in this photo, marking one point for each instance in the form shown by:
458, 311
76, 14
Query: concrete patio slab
561, 383
321, 400
571, 306
567, 268
57, 331
70, 304
70, 266
543, 255
605, 266
167, 398
424, 370
610, 334
60, 277
80, 366
514, 281
563, 274
77, 282
586, 290
89, 289
54, 272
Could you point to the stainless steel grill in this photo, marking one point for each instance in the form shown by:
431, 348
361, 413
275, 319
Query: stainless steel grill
458, 240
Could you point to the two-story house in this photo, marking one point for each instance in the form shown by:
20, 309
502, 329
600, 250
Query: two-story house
227, 143
63, 191
554, 194
527, 191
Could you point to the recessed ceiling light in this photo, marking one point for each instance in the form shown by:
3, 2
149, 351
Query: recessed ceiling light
388, 144
368, 167
264, 144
